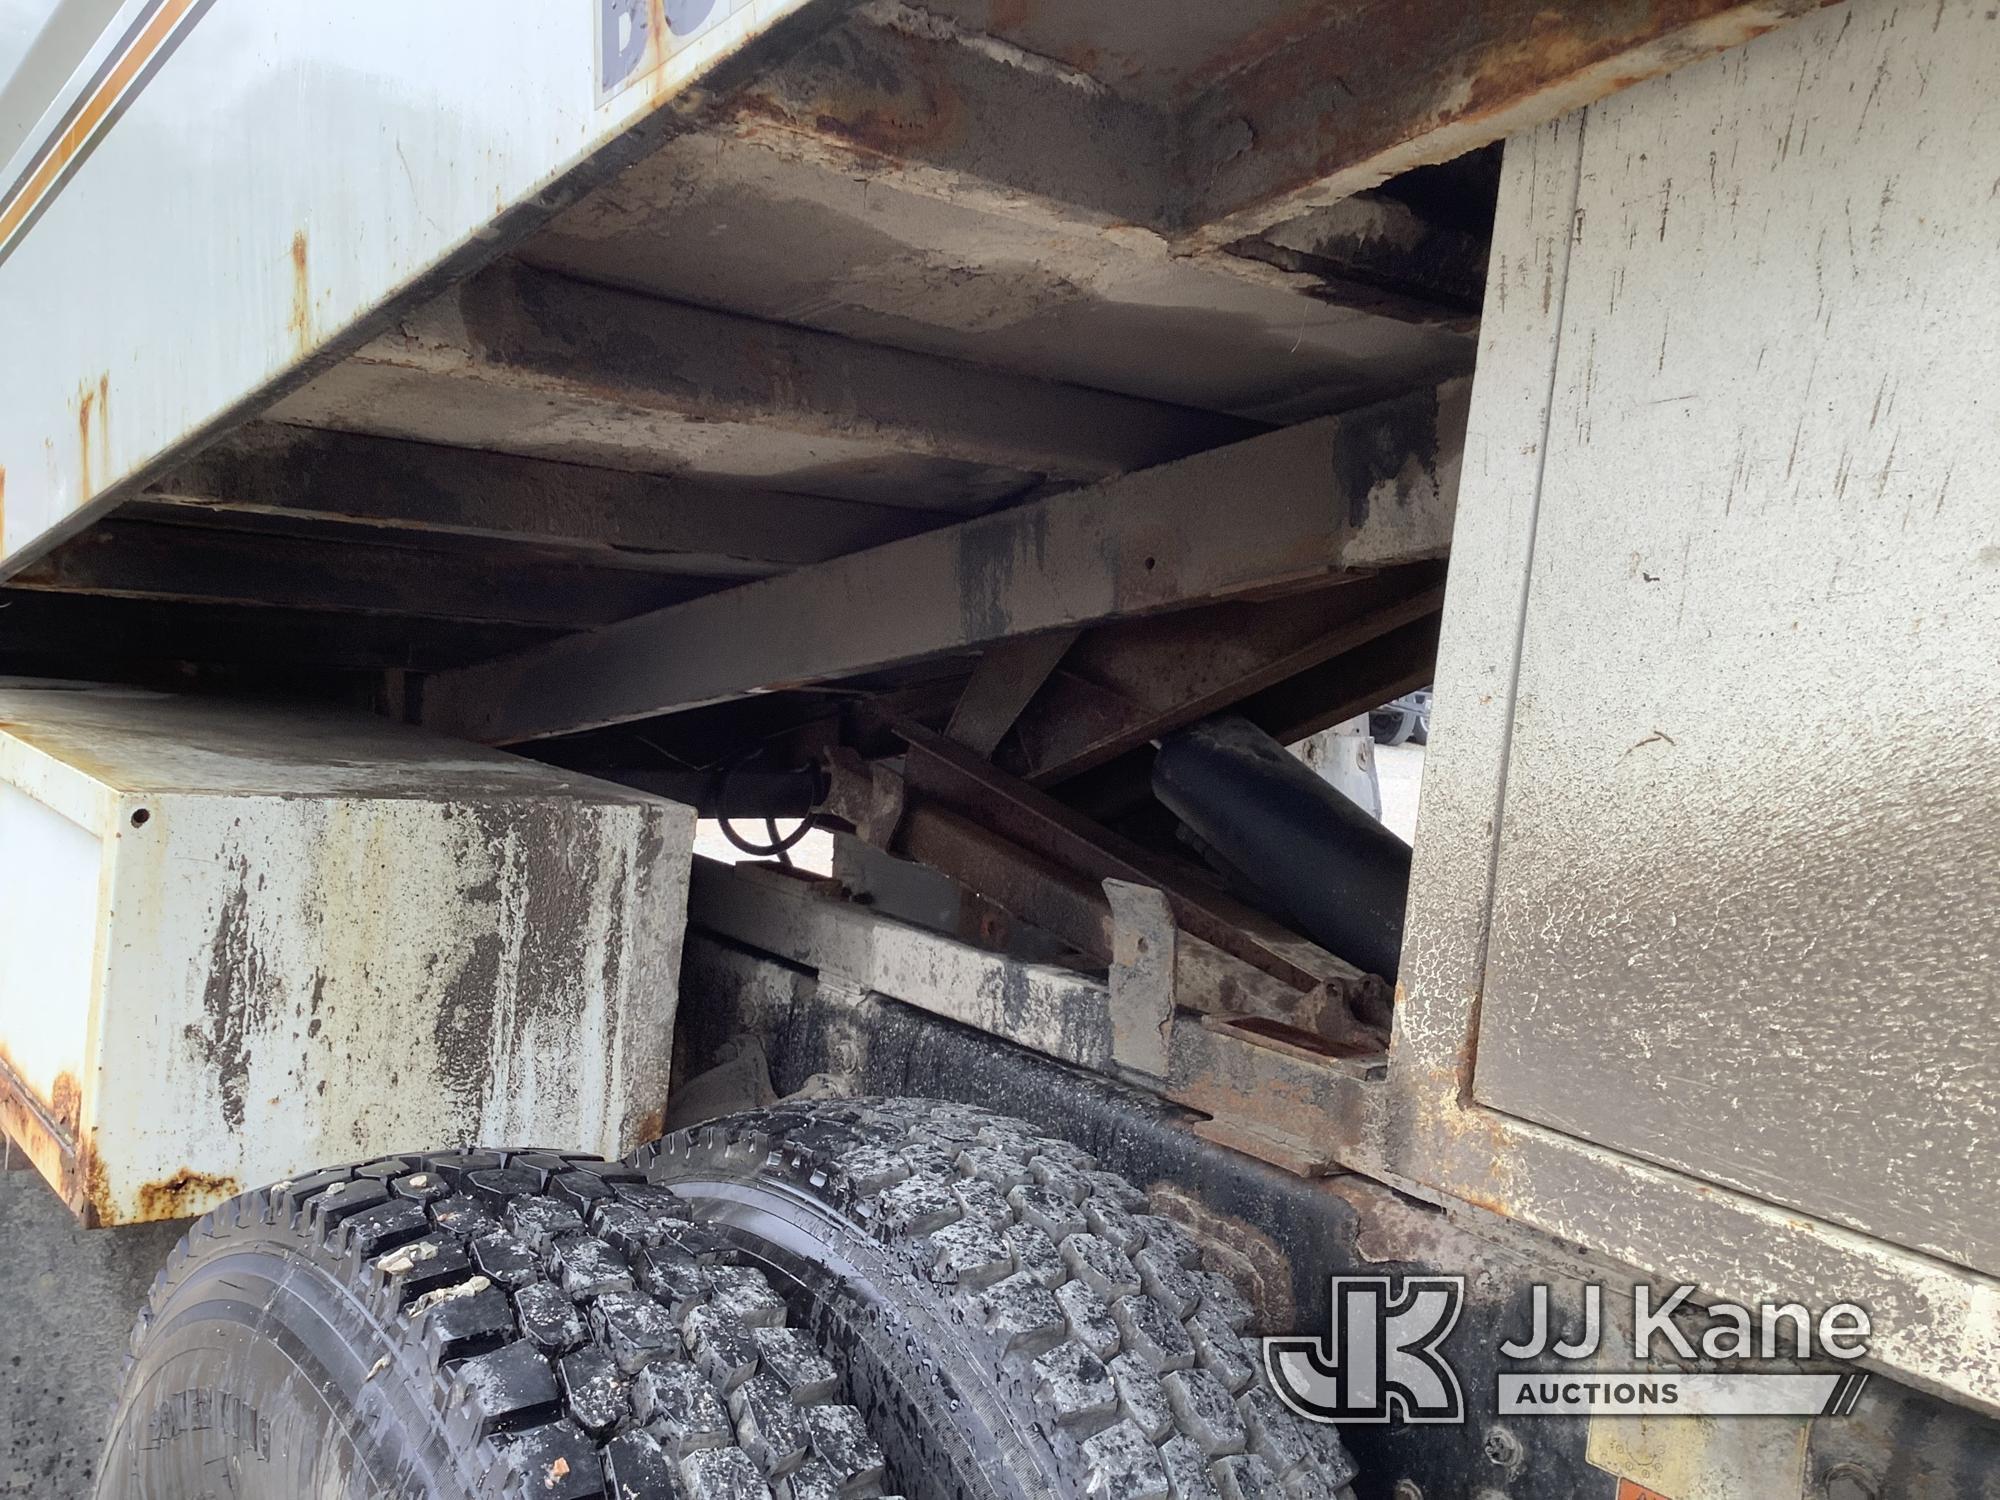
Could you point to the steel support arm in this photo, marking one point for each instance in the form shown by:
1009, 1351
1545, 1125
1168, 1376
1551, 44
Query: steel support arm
1369, 488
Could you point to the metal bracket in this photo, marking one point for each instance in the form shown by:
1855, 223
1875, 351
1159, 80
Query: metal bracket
1144, 944
1280, 1095
1047, 1008
867, 794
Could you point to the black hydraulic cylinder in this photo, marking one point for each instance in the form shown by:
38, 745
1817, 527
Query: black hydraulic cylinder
1325, 865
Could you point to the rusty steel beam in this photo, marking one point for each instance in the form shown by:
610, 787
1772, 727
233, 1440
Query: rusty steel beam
1022, 883
1281, 1095
903, 93
1333, 98
411, 490
200, 565
525, 361
1322, 100
1400, 661
46, 627
905, 96
1125, 684
950, 776
1376, 255
1370, 488
1007, 678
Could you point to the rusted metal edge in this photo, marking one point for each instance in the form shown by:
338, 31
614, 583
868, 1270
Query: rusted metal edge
32, 1126
1270, 1090
1936, 1324
1046, 827
392, 488
1280, 1096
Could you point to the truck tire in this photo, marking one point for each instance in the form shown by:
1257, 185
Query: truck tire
1394, 725
473, 1323
1013, 1322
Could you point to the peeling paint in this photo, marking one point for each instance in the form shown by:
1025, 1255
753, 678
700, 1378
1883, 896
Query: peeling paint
236, 991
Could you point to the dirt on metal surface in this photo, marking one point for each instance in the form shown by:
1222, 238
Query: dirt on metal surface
48, 1133
93, 428
1435, 85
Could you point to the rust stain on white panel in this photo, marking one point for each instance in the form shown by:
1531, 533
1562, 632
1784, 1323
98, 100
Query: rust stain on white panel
314, 938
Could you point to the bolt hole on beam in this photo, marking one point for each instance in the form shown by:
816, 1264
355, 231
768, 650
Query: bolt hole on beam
141, 817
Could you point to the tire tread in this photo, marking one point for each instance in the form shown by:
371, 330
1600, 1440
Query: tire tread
528, 1294
1100, 1313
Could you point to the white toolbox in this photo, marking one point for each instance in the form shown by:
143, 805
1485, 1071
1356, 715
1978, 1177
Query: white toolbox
237, 943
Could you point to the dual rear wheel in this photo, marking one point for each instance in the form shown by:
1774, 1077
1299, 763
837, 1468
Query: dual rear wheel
821, 1301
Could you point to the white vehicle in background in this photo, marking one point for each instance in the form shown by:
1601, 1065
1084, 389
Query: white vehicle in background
1406, 721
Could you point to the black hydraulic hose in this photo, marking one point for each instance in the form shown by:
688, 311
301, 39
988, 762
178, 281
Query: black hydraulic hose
1324, 865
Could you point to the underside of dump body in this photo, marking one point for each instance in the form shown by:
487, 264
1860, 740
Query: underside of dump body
1001, 436
912, 272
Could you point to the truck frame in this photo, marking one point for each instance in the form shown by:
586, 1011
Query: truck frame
980, 429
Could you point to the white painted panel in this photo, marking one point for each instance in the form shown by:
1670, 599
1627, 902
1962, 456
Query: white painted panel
315, 979
49, 882
289, 167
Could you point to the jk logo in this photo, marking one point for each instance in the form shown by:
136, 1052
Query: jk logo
1379, 1361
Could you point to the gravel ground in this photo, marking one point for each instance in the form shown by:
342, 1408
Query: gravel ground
67, 1301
